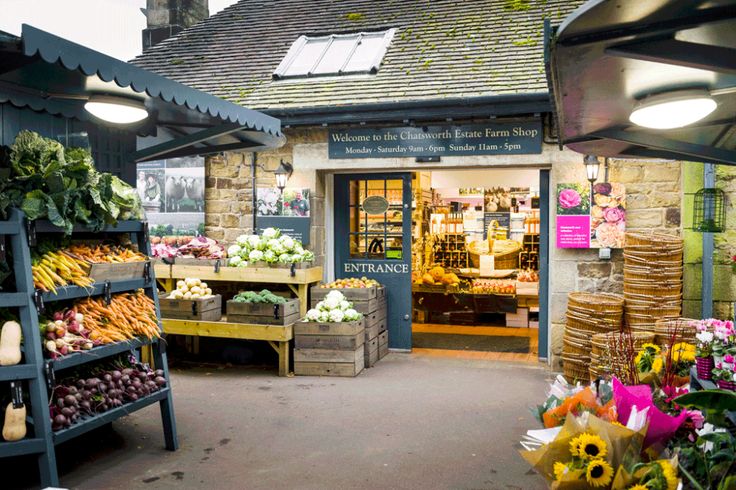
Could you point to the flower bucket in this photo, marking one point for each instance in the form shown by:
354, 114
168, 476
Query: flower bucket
704, 366
726, 385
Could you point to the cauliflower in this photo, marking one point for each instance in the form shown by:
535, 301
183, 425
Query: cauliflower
320, 306
243, 264
287, 242
255, 255
235, 260
233, 250
270, 233
307, 256
285, 258
242, 240
336, 316
350, 315
313, 315
324, 316
253, 241
269, 256
336, 295
331, 303
273, 243
345, 305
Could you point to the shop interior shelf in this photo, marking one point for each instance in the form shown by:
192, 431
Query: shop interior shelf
19, 371
87, 424
13, 300
72, 292
45, 226
101, 352
19, 448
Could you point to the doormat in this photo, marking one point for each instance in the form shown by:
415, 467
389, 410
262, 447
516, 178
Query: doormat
486, 343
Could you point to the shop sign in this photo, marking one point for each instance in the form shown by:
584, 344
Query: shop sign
375, 205
375, 268
503, 138
588, 219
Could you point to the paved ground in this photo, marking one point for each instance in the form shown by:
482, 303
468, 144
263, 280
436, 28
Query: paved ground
411, 422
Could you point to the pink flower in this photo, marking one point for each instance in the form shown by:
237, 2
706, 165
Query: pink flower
696, 416
728, 358
569, 198
613, 215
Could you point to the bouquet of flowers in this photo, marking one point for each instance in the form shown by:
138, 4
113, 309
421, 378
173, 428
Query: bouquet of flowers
564, 398
271, 247
334, 308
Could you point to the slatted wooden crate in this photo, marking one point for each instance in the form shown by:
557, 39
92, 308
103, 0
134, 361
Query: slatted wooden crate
118, 271
316, 355
382, 344
263, 314
207, 309
371, 352
318, 293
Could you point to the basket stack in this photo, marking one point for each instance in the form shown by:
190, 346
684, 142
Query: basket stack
679, 328
604, 352
652, 279
587, 314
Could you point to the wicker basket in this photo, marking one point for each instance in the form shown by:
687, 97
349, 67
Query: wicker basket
601, 352
664, 329
653, 240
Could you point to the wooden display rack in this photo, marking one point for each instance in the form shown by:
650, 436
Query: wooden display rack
38, 374
278, 337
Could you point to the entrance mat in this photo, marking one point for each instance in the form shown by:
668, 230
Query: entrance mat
486, 343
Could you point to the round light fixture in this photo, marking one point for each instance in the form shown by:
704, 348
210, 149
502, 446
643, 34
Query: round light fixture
673, 109
116, 110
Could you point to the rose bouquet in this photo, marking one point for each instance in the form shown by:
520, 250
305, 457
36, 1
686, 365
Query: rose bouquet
334, 308
270, 247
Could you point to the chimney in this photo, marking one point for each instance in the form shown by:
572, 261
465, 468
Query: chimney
166, 18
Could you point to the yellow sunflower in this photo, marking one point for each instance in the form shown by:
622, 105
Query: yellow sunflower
560, 469
652, 347
618, 424
591, 446
670, 474
638, 486
657, 365
575, 445
599, 473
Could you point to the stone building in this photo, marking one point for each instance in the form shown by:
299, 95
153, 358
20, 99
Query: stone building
444, 63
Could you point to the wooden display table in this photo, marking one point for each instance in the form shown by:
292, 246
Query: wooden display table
278, 337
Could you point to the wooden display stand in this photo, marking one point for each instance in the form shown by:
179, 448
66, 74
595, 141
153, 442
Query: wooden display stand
277, 336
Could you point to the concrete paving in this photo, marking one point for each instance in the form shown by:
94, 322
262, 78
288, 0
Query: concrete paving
411, 422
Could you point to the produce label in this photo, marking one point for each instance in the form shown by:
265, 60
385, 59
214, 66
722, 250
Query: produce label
588, 219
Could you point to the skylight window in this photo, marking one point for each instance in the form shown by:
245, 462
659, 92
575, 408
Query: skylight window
336, 54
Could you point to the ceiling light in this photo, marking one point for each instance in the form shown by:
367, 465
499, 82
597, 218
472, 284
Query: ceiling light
116, 110
673, 109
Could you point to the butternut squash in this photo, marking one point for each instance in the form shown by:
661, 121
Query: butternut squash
10, 336
14, 428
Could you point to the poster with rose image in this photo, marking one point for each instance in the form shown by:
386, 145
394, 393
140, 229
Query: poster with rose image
586, 223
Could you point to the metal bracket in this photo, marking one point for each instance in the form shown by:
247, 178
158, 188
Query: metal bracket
38, 301
276, 312
107, 292
50, 375
147, 272
16, 393
146, 235
194, 308
217, 266
168, 261
31, 233
293, 269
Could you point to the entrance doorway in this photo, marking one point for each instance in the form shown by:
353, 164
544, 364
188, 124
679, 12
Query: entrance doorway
462, 253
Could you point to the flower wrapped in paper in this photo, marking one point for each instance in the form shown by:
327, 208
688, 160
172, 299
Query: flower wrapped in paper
564, 398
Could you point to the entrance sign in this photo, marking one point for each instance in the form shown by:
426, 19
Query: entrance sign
375, 205
503, 138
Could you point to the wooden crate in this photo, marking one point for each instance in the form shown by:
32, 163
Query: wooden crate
337, 342
318, 293
375, 327
382, 344
329, 349
329, 355
345, 369
328, 328
263, 314
518, 319
118, 271
207, 309
371, 352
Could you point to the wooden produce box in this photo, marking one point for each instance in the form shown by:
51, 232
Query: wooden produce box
371, 352
317, 355
117, 271
207, 309
318, 293
262, 313
382, 344
375, 323
518, 319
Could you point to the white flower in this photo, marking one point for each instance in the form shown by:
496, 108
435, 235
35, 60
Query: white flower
233, 250
235, 260
704, 337
270, 233
320, 306
331, 303
255, 255
336, 316
313, 315
324, 316
253, 241
351, 314
337, 295
242, 240
287, 242
344, 305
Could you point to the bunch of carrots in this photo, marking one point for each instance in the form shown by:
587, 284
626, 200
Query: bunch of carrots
129, 315
59, 269
105, 253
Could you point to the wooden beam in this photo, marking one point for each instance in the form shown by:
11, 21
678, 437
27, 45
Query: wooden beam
158, 151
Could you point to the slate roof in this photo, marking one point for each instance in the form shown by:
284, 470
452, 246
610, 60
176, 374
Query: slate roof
442, 49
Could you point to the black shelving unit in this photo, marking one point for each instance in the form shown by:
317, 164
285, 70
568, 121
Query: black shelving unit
40, 373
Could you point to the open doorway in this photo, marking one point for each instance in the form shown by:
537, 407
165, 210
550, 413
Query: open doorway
476, 262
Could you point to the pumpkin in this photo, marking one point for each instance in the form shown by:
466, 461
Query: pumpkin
450, 278
10, 344
14, 428
427, 279
437, 272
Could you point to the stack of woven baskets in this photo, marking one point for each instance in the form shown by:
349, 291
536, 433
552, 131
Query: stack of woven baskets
652, 279
609, 349
587, 314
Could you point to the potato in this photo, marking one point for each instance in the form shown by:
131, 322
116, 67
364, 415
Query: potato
187, 295
208, 291
203, 285
180, 284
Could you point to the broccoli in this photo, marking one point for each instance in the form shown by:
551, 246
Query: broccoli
265, 296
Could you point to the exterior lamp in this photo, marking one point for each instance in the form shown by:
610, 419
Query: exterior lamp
673, 109
116, 110
592, 165
282, 174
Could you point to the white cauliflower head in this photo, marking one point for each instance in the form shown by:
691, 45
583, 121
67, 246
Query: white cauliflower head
255, 255
336, 316
313, 315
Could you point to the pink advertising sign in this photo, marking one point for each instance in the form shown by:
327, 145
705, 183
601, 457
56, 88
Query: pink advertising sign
588, 219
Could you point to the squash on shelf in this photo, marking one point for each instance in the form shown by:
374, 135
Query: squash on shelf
10, 337
14, 427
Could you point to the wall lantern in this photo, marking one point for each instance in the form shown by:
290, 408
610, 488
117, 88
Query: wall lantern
709, 214
116, 110
673, 109
282, 174
592, 165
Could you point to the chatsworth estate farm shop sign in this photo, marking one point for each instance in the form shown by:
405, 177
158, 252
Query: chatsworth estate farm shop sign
504, 138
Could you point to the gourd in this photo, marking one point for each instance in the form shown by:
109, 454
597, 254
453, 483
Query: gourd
14, 428
10, 344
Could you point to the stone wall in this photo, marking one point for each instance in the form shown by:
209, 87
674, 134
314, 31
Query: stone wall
724, 279
653, 201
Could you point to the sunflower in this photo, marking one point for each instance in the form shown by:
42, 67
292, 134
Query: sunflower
638, 486
599, 473
575, 445
657, 365
651, 347
670, 474
560, 470
618, 424
591, 446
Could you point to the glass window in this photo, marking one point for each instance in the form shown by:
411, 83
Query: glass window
335, 54
376, 225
